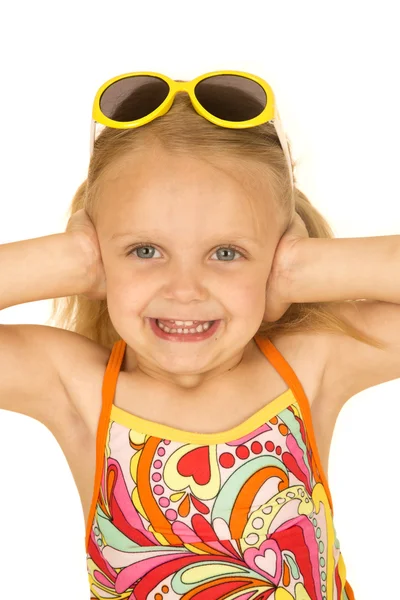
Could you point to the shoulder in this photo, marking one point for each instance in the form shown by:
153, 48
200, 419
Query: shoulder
40, 365
76, 354
306, 352
81, 364
352, 365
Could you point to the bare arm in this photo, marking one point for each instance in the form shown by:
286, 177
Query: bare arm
34, 358
52, 266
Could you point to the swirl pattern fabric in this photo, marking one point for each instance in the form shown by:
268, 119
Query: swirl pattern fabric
245, 514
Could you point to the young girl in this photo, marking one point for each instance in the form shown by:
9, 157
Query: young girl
210, 331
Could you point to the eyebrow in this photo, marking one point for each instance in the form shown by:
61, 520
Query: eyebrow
234, 235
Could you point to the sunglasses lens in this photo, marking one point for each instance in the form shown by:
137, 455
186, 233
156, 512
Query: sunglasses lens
231, 97
133, 97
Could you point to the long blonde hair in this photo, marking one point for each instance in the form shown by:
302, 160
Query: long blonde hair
181, 129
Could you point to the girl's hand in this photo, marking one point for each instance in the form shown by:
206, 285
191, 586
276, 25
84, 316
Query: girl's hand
82, 225
276, 303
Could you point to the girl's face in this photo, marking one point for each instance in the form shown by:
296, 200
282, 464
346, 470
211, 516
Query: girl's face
186, 211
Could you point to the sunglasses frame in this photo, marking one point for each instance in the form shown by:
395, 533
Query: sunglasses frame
270, 112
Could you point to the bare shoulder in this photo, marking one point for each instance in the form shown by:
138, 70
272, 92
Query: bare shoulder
352, 365
82, 367
307, 354
40, 364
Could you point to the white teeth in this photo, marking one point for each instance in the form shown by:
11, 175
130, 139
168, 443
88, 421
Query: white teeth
199, 329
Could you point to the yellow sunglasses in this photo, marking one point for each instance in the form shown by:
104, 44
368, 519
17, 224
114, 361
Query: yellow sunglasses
109, 110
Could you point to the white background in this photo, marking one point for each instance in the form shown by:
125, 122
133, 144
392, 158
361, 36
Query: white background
334, 69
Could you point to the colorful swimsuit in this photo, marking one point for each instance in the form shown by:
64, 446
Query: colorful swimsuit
245, 514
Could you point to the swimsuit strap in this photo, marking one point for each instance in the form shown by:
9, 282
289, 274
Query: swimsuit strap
111, 375
289, 376
281, 365
108, 392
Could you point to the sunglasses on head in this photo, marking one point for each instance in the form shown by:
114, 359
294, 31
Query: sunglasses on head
113, 105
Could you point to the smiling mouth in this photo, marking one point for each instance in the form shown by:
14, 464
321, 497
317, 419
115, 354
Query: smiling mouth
186, 333
183, 325
181, 321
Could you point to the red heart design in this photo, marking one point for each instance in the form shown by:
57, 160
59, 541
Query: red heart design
196, 464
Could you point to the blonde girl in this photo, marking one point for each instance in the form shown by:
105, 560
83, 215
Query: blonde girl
207, 330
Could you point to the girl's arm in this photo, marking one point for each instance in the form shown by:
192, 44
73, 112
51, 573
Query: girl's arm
35, 359
326, 270
52, 266
339, 269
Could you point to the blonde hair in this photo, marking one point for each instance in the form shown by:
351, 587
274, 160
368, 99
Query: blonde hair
182, 130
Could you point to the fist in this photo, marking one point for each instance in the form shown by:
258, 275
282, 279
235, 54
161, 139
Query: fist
81, 225
276, 303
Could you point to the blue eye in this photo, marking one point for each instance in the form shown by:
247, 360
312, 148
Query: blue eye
230, 248
139, 247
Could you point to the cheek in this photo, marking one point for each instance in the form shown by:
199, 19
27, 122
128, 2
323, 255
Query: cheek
247, 299
244, 293
125, 298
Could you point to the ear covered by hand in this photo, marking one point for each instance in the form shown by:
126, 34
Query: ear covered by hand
276, 296
82, 227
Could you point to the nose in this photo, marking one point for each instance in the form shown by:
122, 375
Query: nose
185, 283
